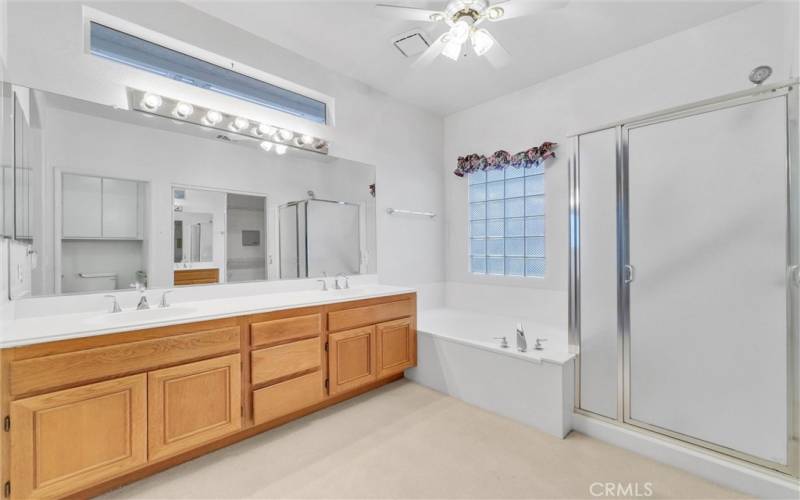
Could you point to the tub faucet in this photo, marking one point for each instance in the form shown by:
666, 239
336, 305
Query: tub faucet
522, 344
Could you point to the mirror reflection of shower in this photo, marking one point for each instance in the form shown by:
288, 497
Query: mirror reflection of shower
320, 237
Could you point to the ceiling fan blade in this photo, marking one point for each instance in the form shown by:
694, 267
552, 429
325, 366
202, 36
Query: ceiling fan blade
430, 53
406, 13
497, 56
520, 8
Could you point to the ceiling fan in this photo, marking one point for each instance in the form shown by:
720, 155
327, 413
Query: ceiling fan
464, 18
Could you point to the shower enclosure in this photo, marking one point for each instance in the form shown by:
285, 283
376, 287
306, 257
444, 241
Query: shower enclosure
684, 277
319, 237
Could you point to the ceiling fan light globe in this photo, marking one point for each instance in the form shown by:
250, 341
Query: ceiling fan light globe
459, 32
452, 49
482, 41
495, 13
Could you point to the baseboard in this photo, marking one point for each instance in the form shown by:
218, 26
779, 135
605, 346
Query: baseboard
729, 473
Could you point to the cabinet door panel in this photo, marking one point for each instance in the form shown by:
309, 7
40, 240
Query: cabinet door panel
351, 359
192, 404
81, 206
120, 209
396, 346
67, 440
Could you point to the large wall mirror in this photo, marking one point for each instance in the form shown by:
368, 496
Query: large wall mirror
109, 199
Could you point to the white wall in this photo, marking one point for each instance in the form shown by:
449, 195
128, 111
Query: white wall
703, 62
402, 141
123, 258
83, 144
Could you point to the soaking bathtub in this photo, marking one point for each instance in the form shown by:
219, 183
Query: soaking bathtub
458, 355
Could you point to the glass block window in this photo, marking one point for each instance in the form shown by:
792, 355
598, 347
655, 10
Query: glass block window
127, 49
506, 222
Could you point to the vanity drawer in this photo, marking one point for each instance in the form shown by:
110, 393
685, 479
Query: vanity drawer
196, 276
281, 361
287, 397
369, 315
281, 330
72, 368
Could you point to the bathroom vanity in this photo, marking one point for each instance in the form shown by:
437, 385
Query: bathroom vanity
105, 407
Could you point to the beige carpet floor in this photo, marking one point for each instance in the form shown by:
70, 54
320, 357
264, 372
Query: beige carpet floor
406, 441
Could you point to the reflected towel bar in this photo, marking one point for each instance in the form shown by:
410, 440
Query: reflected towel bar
397, 211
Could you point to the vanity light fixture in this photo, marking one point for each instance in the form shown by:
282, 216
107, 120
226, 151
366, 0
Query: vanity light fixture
212, 117
265, 130
151, 102
183, 110
254, 133
239, 124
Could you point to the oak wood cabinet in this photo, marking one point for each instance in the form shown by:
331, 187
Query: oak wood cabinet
189, 405
396, 346
63, 441
351, 359
90, 414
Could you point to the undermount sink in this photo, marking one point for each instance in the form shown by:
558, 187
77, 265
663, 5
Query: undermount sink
134, 316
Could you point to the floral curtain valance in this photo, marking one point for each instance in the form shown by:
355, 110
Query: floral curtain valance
502, 159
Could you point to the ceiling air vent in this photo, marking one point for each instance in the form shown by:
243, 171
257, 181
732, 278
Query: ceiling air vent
411, 44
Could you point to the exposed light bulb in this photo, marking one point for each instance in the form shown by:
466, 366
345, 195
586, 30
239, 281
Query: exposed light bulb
320, 144
459, 32
183, 110
482, 41
436, 17
495, 13
305, 139
452, 49
212, 117
286, 135
266, 145
151, 102
264, 129
281, 149
239, 124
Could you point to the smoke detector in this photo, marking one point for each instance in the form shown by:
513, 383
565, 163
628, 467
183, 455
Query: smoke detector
411, 43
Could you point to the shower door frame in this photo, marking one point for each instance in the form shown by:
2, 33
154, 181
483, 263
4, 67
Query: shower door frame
787, 91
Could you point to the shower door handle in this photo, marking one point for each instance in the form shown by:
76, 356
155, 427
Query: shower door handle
630, 274
794, 275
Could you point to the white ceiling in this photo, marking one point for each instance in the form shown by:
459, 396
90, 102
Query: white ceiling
350, 37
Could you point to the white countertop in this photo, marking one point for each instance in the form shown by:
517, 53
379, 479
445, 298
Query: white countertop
35, 330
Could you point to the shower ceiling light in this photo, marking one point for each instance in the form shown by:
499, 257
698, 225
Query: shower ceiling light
252, 132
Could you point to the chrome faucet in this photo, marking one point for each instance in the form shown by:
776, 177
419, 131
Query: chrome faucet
164, 302
522, 344
115, 308
503, 342
538, 345
143, 304
336, 282
324, 285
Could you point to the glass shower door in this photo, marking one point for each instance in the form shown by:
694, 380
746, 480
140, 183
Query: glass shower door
706, 281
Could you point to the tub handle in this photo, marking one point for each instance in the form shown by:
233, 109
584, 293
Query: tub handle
503, 342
